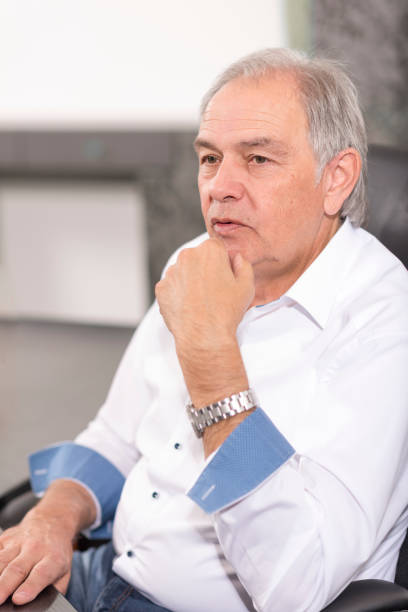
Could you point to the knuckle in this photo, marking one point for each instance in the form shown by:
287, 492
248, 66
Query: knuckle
157, 288
7, 536
18, 568
169, 272
46, 572
185, 254
59, 559
52, 567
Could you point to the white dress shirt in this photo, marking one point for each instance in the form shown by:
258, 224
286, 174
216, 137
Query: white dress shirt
310, 491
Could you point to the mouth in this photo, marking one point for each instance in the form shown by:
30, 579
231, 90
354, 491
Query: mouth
225, 226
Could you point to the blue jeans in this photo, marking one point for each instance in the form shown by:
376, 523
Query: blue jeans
94, 587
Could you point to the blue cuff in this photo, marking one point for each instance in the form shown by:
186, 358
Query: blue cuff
251, 453
70, 460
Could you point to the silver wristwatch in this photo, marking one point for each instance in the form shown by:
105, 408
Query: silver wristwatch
219, 411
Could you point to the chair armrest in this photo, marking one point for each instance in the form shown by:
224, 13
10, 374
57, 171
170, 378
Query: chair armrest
370, 596
49, 600
15, 503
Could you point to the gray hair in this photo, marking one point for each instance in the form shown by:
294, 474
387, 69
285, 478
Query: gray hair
331, 104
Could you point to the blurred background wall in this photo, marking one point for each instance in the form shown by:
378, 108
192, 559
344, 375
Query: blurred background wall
100, 66
98, 110
371, 37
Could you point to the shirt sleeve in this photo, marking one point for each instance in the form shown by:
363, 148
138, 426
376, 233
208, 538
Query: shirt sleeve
299, 526
86, 467
250, 454
102, 456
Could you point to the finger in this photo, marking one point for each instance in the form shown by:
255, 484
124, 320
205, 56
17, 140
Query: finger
216, 240
221, 252
183, 256
13, 576
7, 554
62, 584
41, 575
242, 268
244, 277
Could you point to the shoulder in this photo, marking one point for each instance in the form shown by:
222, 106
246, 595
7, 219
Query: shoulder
374, 289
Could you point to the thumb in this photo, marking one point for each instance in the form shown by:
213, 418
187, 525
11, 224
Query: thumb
242, 270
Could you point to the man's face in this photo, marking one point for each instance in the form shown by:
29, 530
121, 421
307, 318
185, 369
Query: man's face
257, 178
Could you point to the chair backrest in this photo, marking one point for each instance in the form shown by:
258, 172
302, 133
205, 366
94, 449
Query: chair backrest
388, 198
401, 576
388, 220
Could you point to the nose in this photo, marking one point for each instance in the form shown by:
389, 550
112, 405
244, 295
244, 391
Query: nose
227, 182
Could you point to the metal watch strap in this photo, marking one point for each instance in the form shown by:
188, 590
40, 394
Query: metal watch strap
219, 411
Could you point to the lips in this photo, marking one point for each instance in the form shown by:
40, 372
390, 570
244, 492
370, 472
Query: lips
225, 225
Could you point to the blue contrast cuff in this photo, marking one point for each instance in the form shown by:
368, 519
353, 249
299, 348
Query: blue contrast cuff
251, 453
70, 460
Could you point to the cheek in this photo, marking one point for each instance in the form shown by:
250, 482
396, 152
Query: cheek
292, 204
303, 195
201, 191
205, 202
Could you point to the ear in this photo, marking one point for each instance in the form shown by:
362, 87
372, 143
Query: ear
340, 176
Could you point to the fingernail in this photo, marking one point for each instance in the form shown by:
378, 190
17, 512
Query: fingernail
20, 596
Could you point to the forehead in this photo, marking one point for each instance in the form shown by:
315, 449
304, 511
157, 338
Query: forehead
268, 106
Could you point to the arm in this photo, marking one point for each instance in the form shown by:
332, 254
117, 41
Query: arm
105, 451
204, 323
336, 510
38, 551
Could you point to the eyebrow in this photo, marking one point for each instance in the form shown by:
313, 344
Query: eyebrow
263, 141
200, 143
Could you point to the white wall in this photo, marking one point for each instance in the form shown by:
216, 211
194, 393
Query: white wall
73, 251
102, 64
88, 62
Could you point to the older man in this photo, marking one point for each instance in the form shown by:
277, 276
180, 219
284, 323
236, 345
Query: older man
285, 332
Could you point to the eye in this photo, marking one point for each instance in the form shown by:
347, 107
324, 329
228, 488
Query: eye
259, 159
209, 159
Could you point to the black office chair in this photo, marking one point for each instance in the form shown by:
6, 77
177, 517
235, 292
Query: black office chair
388, 198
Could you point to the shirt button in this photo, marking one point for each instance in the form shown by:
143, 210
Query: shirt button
130, 553
177, 445
155, 495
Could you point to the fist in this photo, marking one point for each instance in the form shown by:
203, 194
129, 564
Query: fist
204, 296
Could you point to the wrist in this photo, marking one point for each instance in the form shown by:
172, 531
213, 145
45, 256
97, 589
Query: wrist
66, 504
213, 344
213, 373
220, 411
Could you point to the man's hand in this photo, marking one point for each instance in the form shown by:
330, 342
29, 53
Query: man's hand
204, 296
38, 551
202, 299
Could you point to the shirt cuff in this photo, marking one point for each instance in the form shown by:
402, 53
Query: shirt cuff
85, 466
250, 454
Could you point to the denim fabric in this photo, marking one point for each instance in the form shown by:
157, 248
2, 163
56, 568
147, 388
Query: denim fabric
94, 587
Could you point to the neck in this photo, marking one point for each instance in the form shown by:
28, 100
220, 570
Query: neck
270, 286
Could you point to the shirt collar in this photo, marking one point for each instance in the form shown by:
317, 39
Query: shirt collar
316, 289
